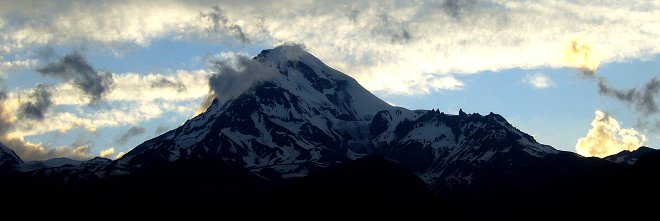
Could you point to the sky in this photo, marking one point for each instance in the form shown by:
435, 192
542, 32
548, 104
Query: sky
81, 79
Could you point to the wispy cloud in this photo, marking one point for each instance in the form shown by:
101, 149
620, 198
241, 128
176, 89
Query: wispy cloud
231, 78
130, 133
539, 80
645, 99
161, 129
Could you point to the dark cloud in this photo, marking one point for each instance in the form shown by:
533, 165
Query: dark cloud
458, 8
74, 67
38, 103
644, 98
167, 83
161, 129
132, 132
221, 24
229, 80
396, 31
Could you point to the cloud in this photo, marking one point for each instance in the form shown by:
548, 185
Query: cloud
645, 99
119, 155
161, 129
133, 100
221, 24
6, 118
388, 27
75, 68
539, 81
107, 153
29, 151
457, 8
606, 137
20, 64
44, 53
395, 53
231, 78
206, 103
113, 23
38, 103
581, 55
132, 132
446, 83
179, 86
165, 83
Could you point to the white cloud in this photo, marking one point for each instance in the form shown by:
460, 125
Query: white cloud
134, 99
119, 155
446, 83
137, 22
393, 46
606, 137
107, 153
6, 66
539, 81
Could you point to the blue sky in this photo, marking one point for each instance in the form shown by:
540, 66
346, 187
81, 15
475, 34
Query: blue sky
525, 60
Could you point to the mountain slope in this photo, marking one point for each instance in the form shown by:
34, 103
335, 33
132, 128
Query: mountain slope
8, 158
629, 157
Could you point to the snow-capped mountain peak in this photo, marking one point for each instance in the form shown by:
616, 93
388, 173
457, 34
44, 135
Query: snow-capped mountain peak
308, 116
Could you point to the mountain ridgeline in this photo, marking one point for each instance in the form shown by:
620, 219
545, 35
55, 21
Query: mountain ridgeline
311, 133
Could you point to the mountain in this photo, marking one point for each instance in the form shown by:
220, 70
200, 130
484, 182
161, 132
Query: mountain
312, 133
310, 117
307, 117
629, 157
50, 163
8, 159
